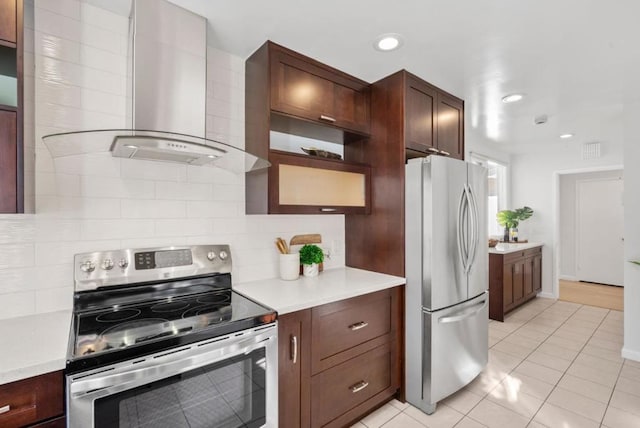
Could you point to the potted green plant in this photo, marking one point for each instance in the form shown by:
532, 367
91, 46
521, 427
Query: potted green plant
510, 219
310, 257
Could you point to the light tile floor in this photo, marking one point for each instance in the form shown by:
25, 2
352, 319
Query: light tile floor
551, 364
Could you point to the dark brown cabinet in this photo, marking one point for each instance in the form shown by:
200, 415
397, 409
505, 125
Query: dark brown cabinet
307, 89
11, 113
339, 361
514, 278
35, 401
292, 94
450, 126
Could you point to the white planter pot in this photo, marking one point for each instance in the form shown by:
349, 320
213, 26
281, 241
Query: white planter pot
289, 266
310, 270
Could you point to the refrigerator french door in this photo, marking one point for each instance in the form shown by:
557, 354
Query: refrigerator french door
446, 267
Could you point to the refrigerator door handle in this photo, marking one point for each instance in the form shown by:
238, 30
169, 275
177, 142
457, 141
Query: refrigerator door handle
463, 314
462, 238
474, 229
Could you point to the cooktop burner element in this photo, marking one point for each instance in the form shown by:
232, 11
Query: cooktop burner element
117, 319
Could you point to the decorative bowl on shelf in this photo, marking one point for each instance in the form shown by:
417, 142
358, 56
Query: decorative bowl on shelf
312, 151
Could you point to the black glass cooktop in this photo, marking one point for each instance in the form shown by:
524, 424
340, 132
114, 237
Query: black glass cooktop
196, 312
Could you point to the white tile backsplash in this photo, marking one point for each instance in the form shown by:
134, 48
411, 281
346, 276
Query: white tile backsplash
97, 202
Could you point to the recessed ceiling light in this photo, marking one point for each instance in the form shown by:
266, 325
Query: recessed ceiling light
212, 156
512, 98
388, 42
565, 136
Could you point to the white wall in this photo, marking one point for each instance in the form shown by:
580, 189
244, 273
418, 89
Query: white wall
533, 183
97, 202
631, 347
568, 218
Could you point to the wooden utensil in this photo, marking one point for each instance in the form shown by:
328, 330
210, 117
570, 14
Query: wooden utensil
282, 246
311, 238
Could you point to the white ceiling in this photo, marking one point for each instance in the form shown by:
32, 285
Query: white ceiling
578, 61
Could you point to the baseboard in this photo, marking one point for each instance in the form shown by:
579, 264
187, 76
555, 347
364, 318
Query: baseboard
630, 354
568, 278
547, 295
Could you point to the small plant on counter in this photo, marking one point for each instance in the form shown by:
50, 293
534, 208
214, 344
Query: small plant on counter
310, 256
509, 219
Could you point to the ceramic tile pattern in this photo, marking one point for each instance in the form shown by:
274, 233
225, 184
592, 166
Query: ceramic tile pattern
75, 78
552, 364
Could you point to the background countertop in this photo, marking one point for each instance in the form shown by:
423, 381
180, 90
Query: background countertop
503, 248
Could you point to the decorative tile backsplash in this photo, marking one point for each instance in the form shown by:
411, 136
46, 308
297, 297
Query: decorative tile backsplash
97, 202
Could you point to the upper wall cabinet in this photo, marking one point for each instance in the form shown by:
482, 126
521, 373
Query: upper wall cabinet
294, 102
307, 89
8, 21
434, 120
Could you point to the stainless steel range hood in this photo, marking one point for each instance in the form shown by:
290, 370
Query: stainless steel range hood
166, 97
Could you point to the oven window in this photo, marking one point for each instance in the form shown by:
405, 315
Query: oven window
228, 394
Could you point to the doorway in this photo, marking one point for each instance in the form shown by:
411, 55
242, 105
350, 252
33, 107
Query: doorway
589, 219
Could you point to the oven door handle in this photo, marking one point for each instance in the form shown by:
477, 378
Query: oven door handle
150, 371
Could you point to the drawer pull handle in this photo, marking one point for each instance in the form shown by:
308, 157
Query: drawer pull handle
328, 210
359, 386
294, 349
5, 409
445, 153
327, 118
433, 150
358, 325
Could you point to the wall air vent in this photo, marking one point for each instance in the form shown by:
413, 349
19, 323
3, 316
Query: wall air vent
590, 151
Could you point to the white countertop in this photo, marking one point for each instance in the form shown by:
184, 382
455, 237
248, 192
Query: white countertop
33, 345
37, 344
330, 286
503, 248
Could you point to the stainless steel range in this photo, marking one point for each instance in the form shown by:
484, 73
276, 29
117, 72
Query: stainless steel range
160, 338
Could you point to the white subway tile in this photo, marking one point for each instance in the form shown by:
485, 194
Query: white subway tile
17, 304
116, 229
151, 209
16, 255
57, 25
53, 93
104, 39
13, 280
54, 299
104, 102
183, 227
54, 230
76, 207
67, 8
97, 120
207, 209
49, 45
184, 191
154, 242
148, 170
57, 184
54, 276
99, 80
229, 193
17, 230
113, 187
61, 253
199, 174
101, 164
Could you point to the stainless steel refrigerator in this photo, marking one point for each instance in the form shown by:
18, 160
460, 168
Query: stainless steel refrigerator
446, 266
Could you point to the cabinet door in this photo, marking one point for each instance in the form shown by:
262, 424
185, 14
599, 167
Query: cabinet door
537, 273
508, 275
8, 21
420, 106
518, 280
450, 126
8, 161
293, 373
528, 277
306, 90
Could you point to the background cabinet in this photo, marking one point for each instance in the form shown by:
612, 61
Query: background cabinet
35, 401
11, 109
514, 279
339, 361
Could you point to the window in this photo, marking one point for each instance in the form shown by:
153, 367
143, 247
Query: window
496, 191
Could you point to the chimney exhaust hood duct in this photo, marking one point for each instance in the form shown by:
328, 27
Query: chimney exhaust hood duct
166, 97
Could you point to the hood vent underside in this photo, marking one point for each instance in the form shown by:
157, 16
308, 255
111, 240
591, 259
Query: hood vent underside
156, 146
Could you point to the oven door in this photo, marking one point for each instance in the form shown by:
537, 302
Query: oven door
223, 382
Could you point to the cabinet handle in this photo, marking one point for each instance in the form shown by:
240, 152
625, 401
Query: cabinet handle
358, 386
358, 325
5, 409
294, 349
328, 210
327, 118
442, 152
433, 150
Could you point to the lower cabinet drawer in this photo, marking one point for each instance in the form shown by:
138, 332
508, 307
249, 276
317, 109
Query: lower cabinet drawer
343, 387
31, 400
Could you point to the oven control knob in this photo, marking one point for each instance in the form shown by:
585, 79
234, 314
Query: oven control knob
223, 255
123, 263
87, 266
211, 256
107, 264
